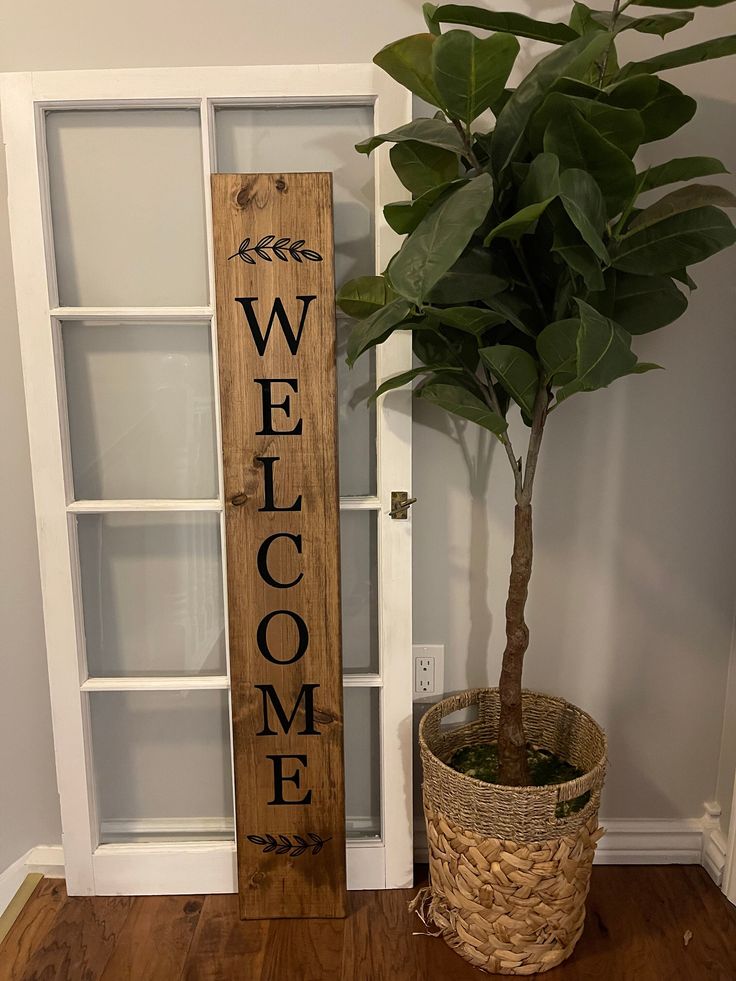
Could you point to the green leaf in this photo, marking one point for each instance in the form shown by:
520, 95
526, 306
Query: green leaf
680, 169
557, 349
622, 127
439, 239
683, 199
578, 145
516, 371
632, 93
542, 180
435, 132
582, 200
473, 320
663, 107
460, 402
642, 304
409, 62
404, 216
398, 381
471, 278
675, 242
437, 346
719, 47
518, 224
363, 296
583, 20
603, 353
573, 60
506, 23
421, 167
470, 73
569, 245
429, 10
667, 113
682, 276
514, 309
377, 328
660, 24
575, 87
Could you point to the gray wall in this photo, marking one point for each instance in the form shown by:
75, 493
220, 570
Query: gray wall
633, 592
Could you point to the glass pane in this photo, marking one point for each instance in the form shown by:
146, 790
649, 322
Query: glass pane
356, 420
162, 765
141, 410
362, 763
308, 138
359, 572
152, 593
127, 207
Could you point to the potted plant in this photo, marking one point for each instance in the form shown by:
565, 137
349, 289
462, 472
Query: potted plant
530, 264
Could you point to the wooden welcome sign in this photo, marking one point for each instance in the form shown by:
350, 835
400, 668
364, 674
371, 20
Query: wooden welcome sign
276, 340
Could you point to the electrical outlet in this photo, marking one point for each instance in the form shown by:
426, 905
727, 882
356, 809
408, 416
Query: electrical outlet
429, 671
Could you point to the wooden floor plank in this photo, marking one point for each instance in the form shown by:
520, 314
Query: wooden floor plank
635, 931
155, 940
378, 940
303, 950
224, 947
31, 929
80, 941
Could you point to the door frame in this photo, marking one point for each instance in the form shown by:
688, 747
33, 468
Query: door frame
191, 866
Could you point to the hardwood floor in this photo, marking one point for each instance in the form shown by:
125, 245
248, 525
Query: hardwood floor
638, 919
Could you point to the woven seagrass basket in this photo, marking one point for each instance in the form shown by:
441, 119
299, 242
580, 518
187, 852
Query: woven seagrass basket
509, 867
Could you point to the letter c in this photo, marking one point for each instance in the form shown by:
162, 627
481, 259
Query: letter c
262, 560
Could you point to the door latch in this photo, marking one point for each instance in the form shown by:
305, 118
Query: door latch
400, 504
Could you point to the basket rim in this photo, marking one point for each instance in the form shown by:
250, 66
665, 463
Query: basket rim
469, 697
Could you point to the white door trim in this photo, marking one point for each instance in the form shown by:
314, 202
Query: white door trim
90, 867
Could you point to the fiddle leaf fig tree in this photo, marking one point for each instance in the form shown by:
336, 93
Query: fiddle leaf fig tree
530, 262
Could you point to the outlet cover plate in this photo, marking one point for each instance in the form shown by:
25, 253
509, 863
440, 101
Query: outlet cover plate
429, 672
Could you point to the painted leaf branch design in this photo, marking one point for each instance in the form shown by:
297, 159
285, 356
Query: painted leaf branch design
283, 248
294, 845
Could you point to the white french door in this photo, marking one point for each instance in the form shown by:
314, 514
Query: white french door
111, 228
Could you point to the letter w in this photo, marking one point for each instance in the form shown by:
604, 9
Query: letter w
306, 692
261, 339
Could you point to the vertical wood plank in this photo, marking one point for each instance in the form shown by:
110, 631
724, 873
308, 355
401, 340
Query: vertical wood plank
274, 267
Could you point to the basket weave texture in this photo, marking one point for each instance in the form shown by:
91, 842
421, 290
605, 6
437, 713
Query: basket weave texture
508, 876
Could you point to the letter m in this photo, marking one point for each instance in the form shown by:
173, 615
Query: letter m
277, 310
306, 692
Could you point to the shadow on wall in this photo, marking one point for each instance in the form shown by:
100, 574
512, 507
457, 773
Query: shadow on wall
633, 590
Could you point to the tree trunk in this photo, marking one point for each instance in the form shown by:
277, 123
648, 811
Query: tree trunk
511, 740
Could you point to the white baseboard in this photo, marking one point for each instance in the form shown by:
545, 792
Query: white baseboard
646, 841
628, 841
48, 859
715, 843
10, 881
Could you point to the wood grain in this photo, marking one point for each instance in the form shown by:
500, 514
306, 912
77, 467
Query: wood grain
635, 931
14, 908
31, 928
80, 940
154, 942
299, 436
225, 947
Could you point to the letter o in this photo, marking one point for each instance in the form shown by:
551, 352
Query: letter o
262, 640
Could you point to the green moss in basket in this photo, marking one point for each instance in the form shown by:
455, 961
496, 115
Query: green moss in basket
481, 761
